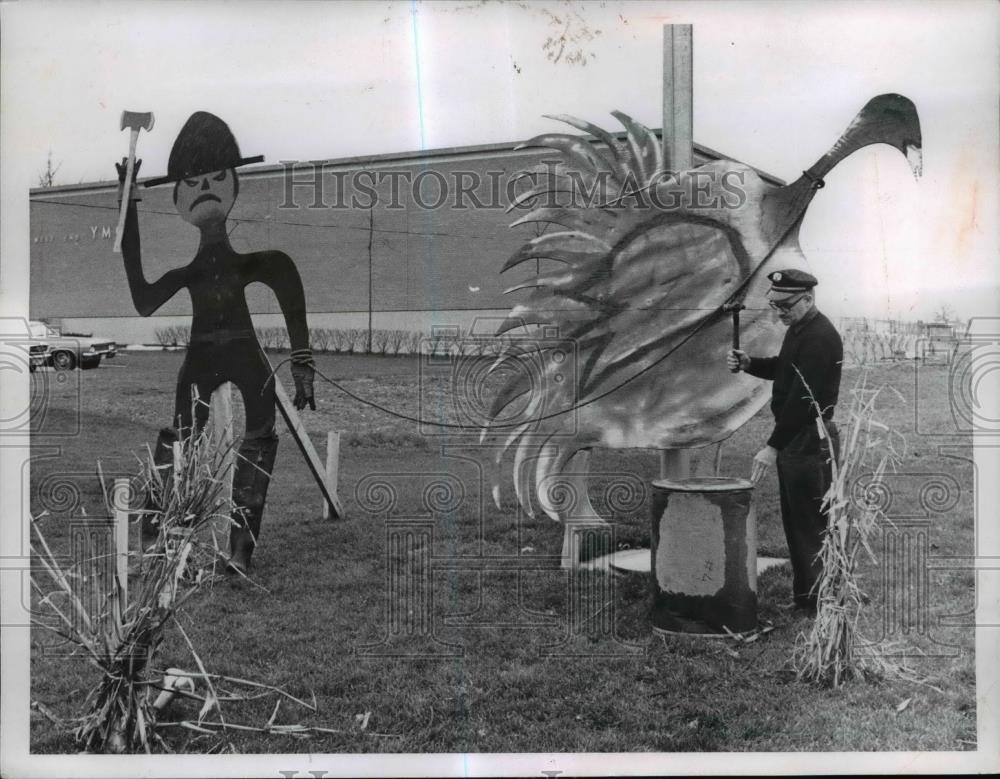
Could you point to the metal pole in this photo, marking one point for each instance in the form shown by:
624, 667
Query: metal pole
678, 155
371, 235
678, 97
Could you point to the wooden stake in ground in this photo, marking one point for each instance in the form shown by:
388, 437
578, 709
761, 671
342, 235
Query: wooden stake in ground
120, 502
222, 429
332, 467
298, 431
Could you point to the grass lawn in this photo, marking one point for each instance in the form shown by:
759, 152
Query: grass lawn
498, 669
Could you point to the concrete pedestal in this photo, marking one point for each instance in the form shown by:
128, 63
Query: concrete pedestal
704, 559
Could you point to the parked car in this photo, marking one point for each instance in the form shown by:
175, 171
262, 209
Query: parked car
38, 356
66, 351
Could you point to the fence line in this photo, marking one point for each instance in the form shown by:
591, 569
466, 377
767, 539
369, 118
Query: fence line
355, 341
865, 340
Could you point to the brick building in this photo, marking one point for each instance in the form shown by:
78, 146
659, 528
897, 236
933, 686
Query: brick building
430, 230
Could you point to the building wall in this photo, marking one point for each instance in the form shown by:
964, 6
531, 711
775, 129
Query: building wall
143, 330
428, 265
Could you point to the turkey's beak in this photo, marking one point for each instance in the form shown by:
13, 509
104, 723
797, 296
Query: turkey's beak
915, 157
891, 119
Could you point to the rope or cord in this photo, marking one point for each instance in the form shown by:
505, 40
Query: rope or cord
501, 426
734, 297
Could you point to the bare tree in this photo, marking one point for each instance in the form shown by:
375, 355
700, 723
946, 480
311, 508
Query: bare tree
47, 178
945, 313
356, 340
319, 338
395, 341
378, 341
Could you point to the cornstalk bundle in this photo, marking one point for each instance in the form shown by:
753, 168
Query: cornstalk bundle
828, 653
121, 639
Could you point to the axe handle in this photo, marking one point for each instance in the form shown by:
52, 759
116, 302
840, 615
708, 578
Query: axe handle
127, 189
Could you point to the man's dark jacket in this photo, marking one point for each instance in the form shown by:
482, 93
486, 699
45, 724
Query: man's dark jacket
812, 346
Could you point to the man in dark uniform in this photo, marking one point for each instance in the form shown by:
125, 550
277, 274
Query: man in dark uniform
223, 346
811, 352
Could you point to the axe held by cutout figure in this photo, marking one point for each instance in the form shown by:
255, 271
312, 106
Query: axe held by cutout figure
135, 121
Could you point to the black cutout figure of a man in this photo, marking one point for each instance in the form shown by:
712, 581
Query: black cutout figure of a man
223, 346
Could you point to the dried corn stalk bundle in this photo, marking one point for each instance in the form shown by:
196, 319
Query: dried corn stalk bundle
828, 653
121, 639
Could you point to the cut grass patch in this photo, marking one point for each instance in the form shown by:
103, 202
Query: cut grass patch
499, 689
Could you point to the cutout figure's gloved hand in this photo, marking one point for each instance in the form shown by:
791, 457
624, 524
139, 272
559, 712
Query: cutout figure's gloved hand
122, 168
302, 375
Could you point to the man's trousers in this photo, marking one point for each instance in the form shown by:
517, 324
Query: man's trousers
804, 476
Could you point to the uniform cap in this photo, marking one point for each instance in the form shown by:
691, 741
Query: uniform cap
791, 280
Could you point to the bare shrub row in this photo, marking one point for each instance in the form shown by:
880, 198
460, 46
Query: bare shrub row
173, 336
861, 348
356, 340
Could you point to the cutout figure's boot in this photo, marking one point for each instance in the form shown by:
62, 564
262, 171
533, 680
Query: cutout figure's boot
253, 475
163, 458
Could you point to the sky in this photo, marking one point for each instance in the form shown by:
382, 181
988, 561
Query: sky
775, 84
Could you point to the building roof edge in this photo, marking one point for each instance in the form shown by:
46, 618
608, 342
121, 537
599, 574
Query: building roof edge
417, 155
